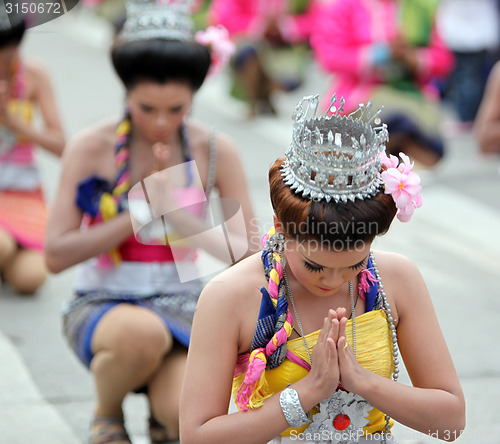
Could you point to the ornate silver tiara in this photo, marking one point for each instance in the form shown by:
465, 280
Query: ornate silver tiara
158, 19
335, 157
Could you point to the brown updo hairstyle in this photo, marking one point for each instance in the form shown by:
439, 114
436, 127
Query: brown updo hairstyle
329, 223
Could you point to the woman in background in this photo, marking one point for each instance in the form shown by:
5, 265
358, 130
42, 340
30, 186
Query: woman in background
129, 321
24, 87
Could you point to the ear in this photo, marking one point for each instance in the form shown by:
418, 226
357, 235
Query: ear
278, 227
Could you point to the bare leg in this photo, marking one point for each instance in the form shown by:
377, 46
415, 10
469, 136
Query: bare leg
26, 271
129, 345
8, 248
165, 391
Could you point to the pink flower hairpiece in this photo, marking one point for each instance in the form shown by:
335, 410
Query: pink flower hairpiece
216, 38
403, 184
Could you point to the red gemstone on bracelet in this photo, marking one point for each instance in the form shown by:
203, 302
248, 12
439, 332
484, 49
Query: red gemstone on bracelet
341, 421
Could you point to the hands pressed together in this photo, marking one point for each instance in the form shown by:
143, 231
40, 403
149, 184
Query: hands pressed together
162, 155
160, 181
333, 360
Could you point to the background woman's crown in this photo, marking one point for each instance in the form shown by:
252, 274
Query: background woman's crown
163, 19
335, 157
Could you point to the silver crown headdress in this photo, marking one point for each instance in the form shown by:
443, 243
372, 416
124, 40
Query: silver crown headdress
337, 157
158, 19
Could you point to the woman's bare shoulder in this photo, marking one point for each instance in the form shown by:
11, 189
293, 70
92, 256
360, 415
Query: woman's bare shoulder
91, 151
402, 280
233, 298
36, 77
201, 134
35, 68
95, 140
394, 265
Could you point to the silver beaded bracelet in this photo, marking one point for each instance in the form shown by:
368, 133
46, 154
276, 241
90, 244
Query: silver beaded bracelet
292, 409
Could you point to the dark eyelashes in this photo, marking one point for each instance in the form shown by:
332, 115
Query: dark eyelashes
317, 269
358, 266
148, 109
313, 268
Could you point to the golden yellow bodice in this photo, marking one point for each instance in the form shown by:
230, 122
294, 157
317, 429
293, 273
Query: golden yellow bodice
374, 352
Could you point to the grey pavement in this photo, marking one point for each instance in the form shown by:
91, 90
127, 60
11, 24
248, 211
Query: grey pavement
46, 396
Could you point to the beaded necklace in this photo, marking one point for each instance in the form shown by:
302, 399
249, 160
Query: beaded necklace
338, 400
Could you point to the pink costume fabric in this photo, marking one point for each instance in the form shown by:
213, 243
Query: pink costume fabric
22, 154
248, 18
344, 40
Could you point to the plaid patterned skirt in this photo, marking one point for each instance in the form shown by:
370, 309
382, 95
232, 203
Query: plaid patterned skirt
82, 314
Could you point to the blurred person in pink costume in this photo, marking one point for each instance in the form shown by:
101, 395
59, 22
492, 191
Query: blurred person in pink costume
272, 41
388, 50
24, 88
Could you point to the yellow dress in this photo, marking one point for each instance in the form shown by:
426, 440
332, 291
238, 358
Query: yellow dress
374, 352
22, 207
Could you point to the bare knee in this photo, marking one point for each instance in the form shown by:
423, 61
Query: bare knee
137, 337
8, 248
25, 272
146, 345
